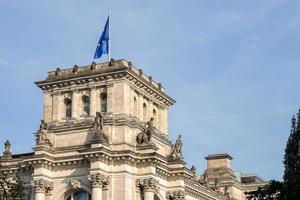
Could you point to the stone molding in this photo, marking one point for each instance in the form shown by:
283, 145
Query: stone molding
68, 79
42, 186
148, 185
176, 195
99, 180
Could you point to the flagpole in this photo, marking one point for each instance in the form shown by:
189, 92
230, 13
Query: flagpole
109, 40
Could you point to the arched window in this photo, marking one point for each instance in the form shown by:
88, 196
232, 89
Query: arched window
103, 98
144, 112
68, 107
79, 196
135, 107
86, 104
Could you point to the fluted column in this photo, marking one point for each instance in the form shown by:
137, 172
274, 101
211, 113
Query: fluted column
98, 183
150, 187
41, 187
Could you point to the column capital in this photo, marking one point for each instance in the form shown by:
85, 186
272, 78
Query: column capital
149, 185
99, 180
175, 195
42, 186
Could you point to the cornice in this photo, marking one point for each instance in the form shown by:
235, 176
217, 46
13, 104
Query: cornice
94, 79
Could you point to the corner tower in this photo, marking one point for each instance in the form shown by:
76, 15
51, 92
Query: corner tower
125, 96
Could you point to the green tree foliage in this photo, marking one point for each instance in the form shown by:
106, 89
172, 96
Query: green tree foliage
289, 189
291, 178
271, 191
11, 189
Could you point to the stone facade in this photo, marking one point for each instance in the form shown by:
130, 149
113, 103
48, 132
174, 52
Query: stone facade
105, 136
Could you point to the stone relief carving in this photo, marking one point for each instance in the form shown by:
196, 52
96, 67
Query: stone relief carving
41, 137
175, 195
99, 180
97, 127
7, 152
75, 184
148, 185
144, 137
176, 153
42, 186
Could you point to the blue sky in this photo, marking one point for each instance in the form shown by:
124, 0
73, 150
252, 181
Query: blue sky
232, 66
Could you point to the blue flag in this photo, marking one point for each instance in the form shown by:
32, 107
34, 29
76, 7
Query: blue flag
102, 46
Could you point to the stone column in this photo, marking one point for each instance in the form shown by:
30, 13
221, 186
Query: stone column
98, 183
41, 187
93, 102
150, 187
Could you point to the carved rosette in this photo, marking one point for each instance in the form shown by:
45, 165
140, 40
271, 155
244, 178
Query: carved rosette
99, 180
148, 185
176, 195
42, 186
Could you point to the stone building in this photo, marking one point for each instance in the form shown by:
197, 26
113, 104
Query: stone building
104, 135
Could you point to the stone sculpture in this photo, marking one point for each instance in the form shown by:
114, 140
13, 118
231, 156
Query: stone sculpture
145, 136
7, 152
41, 138
177, 150
97, 127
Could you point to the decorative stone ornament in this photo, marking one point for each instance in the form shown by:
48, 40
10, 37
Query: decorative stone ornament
7, 152
148, 185
41, 137
57, 72
93, 66
111, 62
75, 69
99, 180
98, 129
193, 169
145, 136
175, 195
42, 186
176, 153
75, 184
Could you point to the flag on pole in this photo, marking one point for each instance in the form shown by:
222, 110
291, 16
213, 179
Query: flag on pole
103, 43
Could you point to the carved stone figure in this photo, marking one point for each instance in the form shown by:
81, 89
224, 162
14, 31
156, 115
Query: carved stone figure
150, 127
145, 136
216, 185
193, 169
7, 152
177, 149
42, 134
226, 193
98, 126
142, 138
